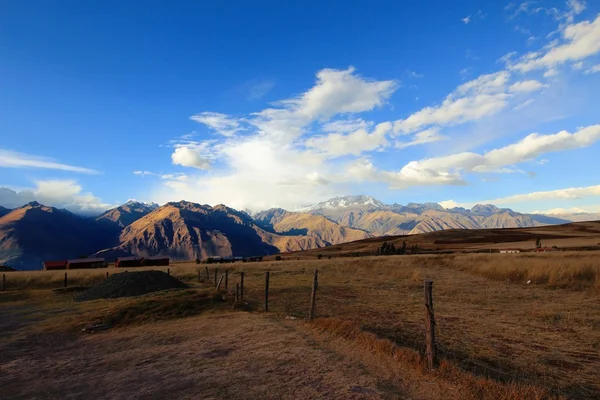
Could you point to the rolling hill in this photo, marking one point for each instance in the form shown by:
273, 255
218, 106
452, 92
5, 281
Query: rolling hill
571, 236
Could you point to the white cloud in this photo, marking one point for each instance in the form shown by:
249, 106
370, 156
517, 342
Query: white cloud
526, 86
56, 193
449, 204
414, 74
430, 135
470, 101
259, 89
593, 69
355, 143
13, 159
524, 104
466, 19
280, 155
449, 170
345, 126
189, 156
221, 123
550, 73
573, 193
575, 7
176, 177
572, 210
580, 41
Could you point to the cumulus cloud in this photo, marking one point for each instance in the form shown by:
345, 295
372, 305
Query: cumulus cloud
13, 159
189, 157
318, 144
66, 194
354, 143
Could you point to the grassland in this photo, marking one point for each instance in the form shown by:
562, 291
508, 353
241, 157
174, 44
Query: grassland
498, 336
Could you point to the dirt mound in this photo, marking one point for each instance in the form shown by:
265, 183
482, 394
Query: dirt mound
127, 284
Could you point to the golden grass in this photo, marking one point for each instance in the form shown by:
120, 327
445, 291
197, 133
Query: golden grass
471, 387
490, 322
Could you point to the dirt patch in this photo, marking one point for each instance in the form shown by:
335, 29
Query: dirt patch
128, 284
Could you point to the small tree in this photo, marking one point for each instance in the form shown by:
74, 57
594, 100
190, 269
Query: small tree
319, 256
403, 250
277, 258
538, 243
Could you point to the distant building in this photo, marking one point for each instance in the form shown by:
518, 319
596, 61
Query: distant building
126, 262
84, 263
510, 251
54, 265
156, 261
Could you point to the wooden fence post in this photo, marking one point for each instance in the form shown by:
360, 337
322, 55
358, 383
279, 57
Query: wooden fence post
198, 275
267, 291
3, 282
66, 282
237, 292
169, 271
430, 345
313, 296
216, 270
242, 287
226, 279
207, 274
219, 284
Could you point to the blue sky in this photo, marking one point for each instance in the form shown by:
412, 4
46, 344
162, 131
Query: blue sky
271, 103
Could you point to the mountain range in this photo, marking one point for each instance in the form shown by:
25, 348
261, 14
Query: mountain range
186, 231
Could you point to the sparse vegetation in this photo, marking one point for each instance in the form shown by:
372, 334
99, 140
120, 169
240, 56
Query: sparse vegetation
494, 329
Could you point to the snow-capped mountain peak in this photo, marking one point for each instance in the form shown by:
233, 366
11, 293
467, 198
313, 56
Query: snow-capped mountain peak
347, 202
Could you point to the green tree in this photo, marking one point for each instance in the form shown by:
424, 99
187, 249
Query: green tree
538, 243
403, 250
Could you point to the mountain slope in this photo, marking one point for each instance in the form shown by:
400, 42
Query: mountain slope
186, 231
285, 222
34, 233
126, 214
377, 218
4, 211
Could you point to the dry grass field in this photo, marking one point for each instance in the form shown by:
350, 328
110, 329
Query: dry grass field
498, 336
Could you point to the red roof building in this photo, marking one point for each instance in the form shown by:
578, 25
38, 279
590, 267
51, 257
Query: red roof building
54, 265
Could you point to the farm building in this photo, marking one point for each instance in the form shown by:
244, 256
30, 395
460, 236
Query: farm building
510, 251
123, 262
82, 263
52, 265
156, 261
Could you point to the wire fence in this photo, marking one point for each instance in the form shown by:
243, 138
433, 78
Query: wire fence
496, 330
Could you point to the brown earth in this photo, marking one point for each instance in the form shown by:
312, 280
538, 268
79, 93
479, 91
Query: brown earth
573, 236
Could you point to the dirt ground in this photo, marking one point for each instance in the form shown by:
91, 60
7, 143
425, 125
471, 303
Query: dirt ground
234, 355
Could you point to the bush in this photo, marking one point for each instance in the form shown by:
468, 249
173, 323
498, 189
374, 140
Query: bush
277, 258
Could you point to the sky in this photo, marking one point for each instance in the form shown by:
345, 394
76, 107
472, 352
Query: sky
284, 104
